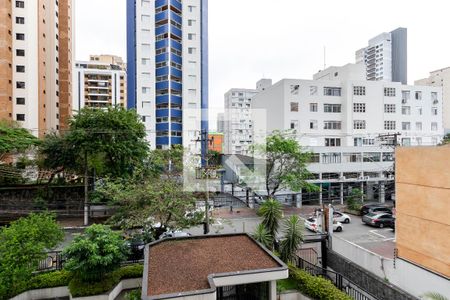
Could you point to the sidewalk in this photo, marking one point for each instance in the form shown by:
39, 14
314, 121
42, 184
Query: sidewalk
241, 213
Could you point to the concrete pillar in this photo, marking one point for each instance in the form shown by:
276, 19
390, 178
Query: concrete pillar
362, 191
369, 192
273, 290
382, 192
320, 195
342, 193
299, 199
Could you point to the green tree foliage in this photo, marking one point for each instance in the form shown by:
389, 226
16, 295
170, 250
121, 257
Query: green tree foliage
22, 245
434, 296
95, 253
292, 229
263, 236
14, 139
286, 164
272, 213
354, 199
446, 140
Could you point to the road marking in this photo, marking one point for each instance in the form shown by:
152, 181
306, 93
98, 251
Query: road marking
380, 235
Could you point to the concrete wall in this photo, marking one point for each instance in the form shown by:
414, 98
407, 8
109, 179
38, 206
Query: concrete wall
423, 205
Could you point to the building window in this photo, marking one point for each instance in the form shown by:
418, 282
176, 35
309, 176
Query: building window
20, 84
191, 8
352, 157
314, 158
406, 126
371, 157
20, 117
359, 90
389, 125
418, 126
20, 4
191, 22
20, 20
406, 95
389, 108
294, 106
20, 36
406, 110
313, 90
331, 158
434, 126
359, 124
406, 141
191, 36
332, 125
295, 89
419, 110
333, 142
191, 50
294, 124
418, 95
332, 91
20, 101
434, 111
419, 141
434, 97
332, 108
313, 124
20, 52
313, 107
20, 69
389, 92
359, 107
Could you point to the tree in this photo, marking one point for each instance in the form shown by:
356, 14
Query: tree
13, 139
434, 296
22, 246
95, 253
263, 236
286, 164
271, 212
354, 199
292, 229
446, 140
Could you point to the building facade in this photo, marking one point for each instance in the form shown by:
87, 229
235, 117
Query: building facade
99, 85
221, 122
386, 57
36, 63
215, 142
441, 78
168, 69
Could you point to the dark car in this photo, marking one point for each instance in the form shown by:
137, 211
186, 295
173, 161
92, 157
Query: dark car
392, 224
380, 209
365, 209
378, 219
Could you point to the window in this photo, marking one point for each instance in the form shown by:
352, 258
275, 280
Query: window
313, 124
332, 91
406, 95
419, 110
20, 20
20, 101
406, 110
406, 141
314, 158
191, 36
333, 142
313, 90
389, 125
332, 125
313, 107
389, 92
434, 111
191, 50
359, 107
389, 108
418, 126
20, 52
419, 141
359, 90
406, 126
20, 69
20, 4
371, 157
434, 97
20, 84
418, 95
294, 124
352, 157
359, 124
294, 89
191, 8
332, 108
434, 126
294, 106
20, 36
191, 22
331, 158
20, 117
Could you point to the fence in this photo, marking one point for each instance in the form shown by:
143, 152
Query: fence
337, 279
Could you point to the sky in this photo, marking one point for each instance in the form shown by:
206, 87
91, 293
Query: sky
252, 39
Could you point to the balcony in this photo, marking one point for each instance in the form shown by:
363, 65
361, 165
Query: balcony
178, 140
162, 29
162, 140
160, 3
162, 57
164, 15
162, 44
162, 112
162, 127
176, 45
162, 71
176, 32
176, 113
176, 4
176, 17
176, 58
176, 126
164, 85
165, 99
176, 86
176, 72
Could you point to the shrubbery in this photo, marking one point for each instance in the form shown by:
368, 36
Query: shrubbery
49, 280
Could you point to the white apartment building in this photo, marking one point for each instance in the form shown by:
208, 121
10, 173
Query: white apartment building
441, 78
168, 69
98, 85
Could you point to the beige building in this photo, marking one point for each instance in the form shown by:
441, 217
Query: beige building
423, 206
36, 63
441, 78
100, 83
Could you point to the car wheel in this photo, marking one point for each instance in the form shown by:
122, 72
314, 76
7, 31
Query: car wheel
381, 225
339, 229
346, 221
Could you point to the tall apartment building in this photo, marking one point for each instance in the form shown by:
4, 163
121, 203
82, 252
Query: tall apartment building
221, 122
99, 84
441, 78
168, 69
36, 63
386, 57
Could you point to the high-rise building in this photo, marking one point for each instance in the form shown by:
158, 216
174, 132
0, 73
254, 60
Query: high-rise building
99, 83
440, 78
168, 69
221, 122
386, 57
36, 63
109, 59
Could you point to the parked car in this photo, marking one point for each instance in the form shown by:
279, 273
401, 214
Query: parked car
341, 217
311, 224
365, 209
174, 233
380, 209
392, 223
377, 219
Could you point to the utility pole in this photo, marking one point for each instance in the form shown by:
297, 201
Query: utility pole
86, 190
389, 140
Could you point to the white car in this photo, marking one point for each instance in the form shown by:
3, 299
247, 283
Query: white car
173, 234
341, 217
311, 224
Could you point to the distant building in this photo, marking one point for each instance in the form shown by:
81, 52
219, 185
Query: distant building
422, 208
386, 57
441, 78
221, 122
210, 267
109, 59
346, 72
216, 142
99, 83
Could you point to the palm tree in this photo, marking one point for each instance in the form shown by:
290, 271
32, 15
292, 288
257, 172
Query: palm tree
271, 212
292, 240
434, 296
262, 235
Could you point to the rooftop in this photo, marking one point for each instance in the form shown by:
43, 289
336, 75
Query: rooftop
183, 265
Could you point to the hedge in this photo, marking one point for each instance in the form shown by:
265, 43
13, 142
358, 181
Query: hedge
316, 287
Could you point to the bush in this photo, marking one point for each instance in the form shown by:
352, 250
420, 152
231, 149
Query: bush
133, 295
49, 280
317, 287
131, 271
